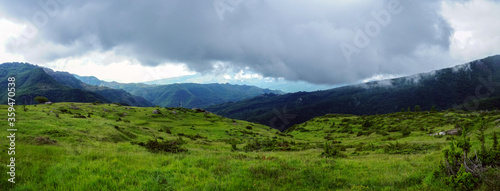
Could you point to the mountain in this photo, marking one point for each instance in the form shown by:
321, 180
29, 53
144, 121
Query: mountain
32, 81
462, 87
113, 95
190, 95
245, 79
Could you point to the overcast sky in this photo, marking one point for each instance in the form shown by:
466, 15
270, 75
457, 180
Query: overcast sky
318, 41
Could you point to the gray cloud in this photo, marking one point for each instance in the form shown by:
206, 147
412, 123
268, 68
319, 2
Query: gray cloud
294, 39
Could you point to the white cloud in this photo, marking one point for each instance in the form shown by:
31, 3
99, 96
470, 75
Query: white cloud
9, 30
380, 77
477, 28
242, 75
86, 40
112, 67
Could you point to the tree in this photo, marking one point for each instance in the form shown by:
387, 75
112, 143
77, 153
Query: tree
433, 109
41, 99
417, 108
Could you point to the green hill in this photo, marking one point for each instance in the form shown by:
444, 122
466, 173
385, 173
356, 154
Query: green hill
32, 81
113, 95
81, 146
190, 94
442, 89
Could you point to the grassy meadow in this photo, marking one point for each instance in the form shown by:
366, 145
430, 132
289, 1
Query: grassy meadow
82, 146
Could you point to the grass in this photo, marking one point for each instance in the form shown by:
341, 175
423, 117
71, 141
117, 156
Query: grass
96, 153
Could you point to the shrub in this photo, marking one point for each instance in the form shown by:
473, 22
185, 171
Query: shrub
417, 108
491, 179
41, 99
463, 180
360, 133
405, 132
268, 145
233, 146
383, 133
248, 127
367, 124
328, 137
169, 146
332, 151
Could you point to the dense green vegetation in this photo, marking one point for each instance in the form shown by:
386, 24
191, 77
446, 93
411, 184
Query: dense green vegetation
190, 95
34, 81
77, 146
112, 95
471, 86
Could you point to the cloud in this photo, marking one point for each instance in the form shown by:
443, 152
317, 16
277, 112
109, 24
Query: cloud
477, 28
293, 39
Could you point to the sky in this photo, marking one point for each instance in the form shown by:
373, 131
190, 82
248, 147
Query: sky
329, 42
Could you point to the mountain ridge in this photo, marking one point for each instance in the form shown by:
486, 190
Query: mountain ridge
190, 95
442, 89
32, 81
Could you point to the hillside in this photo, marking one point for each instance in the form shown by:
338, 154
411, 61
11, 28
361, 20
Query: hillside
32, 81
451, 87
190, 94
82, 146
113, 95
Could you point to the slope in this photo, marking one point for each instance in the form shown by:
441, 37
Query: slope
442, 89
32, 81
113, 95
81, 146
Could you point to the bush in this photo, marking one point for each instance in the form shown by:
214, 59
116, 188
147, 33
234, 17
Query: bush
463, 180
491, 179
332, 151
41, 99
169, 146
268, 145
405, 132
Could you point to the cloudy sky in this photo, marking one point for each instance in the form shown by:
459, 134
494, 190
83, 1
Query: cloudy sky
318, 41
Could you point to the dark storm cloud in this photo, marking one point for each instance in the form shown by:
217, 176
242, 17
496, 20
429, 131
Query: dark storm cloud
318, 41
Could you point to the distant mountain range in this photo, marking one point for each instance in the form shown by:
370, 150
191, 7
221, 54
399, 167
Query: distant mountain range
470, 86
189, 95
32, 81
245, 79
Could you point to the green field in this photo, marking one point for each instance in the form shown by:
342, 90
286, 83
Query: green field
59, 147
